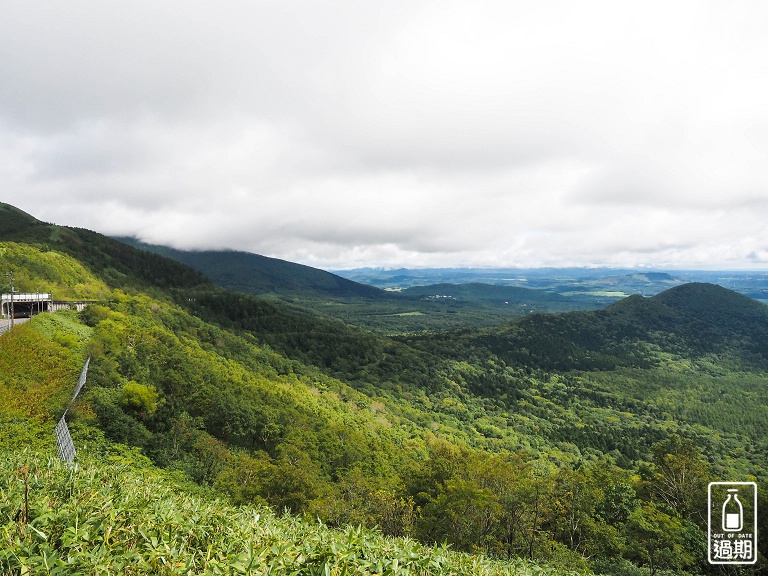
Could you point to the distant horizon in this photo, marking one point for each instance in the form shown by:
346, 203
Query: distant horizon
332, 269
518, 268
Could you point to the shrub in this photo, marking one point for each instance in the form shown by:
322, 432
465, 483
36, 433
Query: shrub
139, 399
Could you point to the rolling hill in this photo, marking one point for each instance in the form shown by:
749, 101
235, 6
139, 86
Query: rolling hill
692, 320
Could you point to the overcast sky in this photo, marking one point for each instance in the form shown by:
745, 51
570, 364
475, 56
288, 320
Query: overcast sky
357, 133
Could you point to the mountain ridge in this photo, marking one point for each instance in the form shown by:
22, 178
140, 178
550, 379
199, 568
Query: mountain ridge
120, 264
256, 274
693, 320
324, 293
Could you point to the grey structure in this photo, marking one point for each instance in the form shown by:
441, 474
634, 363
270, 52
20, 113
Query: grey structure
81, 381
63, 437
64, 441
28, 304
25, 303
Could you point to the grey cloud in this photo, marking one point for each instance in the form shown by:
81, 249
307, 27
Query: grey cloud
93, 150
344, 132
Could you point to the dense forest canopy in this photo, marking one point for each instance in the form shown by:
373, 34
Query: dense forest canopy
582, 440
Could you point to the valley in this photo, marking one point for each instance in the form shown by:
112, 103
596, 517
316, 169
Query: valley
435, 306
598, 285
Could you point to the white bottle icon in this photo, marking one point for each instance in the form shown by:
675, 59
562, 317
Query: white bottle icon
733, 512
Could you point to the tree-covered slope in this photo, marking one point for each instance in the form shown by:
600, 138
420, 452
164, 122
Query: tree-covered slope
691, 320
554, 438
116, 264
49, 271
116, 513
256, 274
225, 411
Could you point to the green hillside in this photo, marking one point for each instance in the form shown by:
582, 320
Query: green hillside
692, 320
309, 290
84, 522
116, 264
49, 271
217, 409
256, 274
556, 438
115, 512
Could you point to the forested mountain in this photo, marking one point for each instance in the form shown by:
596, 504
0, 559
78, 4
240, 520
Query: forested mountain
584, 440
431, 307
117, 264
693, 320
256, 274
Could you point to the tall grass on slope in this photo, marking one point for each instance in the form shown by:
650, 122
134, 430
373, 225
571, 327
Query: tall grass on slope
112, 518
39, 365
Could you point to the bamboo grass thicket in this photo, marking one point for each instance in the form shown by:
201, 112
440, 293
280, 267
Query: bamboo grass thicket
112, 517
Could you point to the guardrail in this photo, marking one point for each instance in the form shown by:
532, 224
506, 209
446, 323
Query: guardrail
64, 442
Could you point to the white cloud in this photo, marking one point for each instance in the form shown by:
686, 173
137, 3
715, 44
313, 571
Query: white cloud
343, 133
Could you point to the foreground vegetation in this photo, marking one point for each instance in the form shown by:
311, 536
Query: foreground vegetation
118, 515
115, 512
